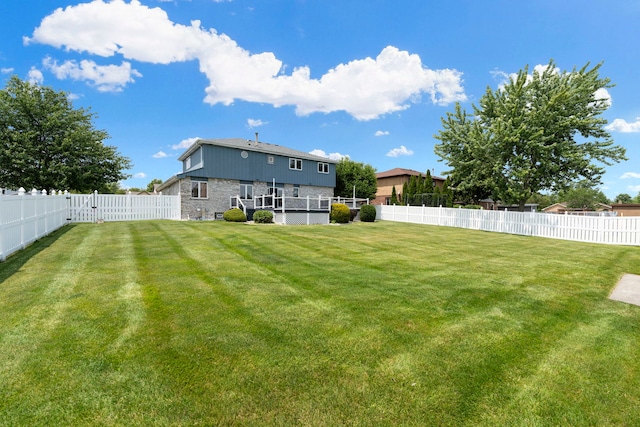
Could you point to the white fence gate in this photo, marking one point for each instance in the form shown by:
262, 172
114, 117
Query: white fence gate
27, 217
122, 207
610, 230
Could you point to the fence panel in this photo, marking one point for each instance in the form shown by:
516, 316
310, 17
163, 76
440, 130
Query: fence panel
122, 207
591, 229
28, 217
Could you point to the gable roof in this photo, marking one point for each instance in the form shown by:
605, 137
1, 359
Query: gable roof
252, 145
403, 172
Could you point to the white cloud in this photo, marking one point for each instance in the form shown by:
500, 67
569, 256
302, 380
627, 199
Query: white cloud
140, 175
628, 175
35, 76
402, 151
106, 78
364, 88
185, 143
634, 188
603, 95
332, 156
6, 70
160, 155
254, 123
381, 133
621, 125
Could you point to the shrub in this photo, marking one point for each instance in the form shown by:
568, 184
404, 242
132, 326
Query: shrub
234, 215
263, 217
340, 213
367, 213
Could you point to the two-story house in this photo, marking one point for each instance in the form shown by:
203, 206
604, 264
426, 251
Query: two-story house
217, 171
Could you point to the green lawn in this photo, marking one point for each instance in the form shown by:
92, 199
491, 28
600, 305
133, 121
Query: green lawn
366, 324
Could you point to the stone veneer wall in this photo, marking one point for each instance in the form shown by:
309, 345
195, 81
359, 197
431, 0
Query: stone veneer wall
220, 192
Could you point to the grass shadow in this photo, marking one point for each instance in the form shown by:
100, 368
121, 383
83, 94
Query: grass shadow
15, 261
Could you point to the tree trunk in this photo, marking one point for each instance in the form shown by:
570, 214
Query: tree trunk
521, 205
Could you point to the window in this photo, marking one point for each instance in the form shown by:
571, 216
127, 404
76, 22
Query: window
187, 163
296, 191
295, 164
246, 191
199, 189
323, 167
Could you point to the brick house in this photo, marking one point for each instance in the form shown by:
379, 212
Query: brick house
216, 171
397, 178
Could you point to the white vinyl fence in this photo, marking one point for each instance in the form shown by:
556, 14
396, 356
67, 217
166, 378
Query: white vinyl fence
122, 207
27, 217
610, 230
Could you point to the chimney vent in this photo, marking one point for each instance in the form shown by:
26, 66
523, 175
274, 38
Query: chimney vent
257, 138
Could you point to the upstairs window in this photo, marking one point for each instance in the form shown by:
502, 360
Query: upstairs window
187, 163
198, 189
323, 167
295, 164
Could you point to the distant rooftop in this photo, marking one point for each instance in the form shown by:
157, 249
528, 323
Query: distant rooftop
403, 172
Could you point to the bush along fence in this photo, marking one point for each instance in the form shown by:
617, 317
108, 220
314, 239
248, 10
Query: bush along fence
28, 216
609, 230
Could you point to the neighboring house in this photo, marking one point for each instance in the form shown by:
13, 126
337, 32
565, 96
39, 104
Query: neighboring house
396, 178
561, 208
626, 209
214, 171
528, 207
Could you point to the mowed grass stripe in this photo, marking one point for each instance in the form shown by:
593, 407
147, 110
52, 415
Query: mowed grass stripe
212, 323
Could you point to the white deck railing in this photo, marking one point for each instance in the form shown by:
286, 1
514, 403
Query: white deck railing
609, 230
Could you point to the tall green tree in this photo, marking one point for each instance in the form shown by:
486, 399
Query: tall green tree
350, 173
394, 196
46, 143
151, 185
583, 195
623, 198
537, 132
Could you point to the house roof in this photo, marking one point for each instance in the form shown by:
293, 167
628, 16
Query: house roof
403, 172
252, 145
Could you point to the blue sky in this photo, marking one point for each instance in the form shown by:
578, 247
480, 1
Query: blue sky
365, 79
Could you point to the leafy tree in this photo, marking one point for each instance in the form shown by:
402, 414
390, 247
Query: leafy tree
405, 193
543, 200
537, 132
583, 196
637, 198
350, 173
623, 198
47, 144
394, 196
150, 185
428, 182
447, 193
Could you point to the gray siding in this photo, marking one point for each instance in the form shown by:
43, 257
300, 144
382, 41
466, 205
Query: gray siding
229, 163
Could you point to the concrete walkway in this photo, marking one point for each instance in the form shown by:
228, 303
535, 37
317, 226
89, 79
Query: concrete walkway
627, 290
